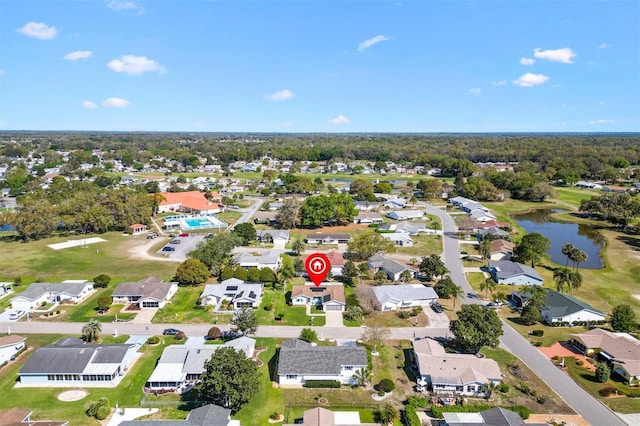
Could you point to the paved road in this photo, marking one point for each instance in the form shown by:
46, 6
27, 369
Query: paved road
248, 213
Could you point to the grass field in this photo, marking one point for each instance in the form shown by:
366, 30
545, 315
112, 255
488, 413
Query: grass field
423, 245
183, 309
292, 315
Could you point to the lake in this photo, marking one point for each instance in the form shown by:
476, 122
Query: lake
584, 237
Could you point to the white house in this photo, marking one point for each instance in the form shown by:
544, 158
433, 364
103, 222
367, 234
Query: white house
391, 267
276, 236
151, 292
328, 296
367, 218
481, 215
299, 362
328, 239
395, 203
512, 273
399, 239
444, 372
69, 291
394, 297
235, 291
267, 259
405, 214
559, 307
11, 345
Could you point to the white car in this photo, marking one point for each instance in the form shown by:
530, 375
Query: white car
16, 315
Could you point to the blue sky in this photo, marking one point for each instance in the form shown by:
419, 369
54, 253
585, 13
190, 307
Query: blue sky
320, 66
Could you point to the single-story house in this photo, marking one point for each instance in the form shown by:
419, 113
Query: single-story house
182, 365
501, 249
493, 417
620, 350
365, 205
459, 201
443, 372
395, 203
11, 345
276, 236
193, 202
406, 214
275, 206
559, 307
395, 297
235, 291
409, 228
299, 361
337, 262
328, 239
265, 218
391, 267
70, 362
367, 218
481, 215
494, 232
69, 291
138, 228
20, 416
151, 292
207, 415
328, 296
589, 185
513, 273
322, 417
399, 239
267, 259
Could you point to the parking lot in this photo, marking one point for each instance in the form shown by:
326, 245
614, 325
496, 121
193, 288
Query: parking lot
186, 245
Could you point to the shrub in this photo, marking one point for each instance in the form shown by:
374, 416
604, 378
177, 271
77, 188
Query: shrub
503, 387
386, 385
579, 362
268, 306
153, 340
274, 416
418, 401
541, 399
608, 391
537, 333
102, 412
101, 281
381, 393
180, 336
537, 343
632, 393
57, 312
214, 333
404, 314
308, 335
411, 416
322, 384
17, 280
602, 372
415, 311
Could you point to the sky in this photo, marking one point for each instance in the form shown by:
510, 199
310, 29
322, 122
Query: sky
320, 66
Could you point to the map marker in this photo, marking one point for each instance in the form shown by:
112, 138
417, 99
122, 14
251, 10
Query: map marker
317, 266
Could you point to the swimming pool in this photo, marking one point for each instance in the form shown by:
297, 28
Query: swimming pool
192, 223
198, 221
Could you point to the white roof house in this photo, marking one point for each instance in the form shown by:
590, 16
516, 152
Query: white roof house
267, 259
237, 292
406, 214
393, 297
512, 273
67, 291
399, 239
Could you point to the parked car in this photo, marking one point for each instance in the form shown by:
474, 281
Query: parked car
437, 308
170, 331
209, 235
152, 236
172, 235
225, 335
16, 315
174, 242
168, 248
184, 234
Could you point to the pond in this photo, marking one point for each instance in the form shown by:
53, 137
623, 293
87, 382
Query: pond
584, 237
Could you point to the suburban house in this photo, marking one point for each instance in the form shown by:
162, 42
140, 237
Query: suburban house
235, 291
328, 296
493, 417
151, 292
276, 236
398, 238
451, 373
389, 266
394, 297
138, 228
367, 218
501, 249
365, 206
620, 350
337, 262
481, 215
493, 232
299, 362
70, 362
267, 259
69, 291
322, 417
180, 366
20, 416
395, 203
193, 202
405, 214
409, 228
328, 239
513, 273
11, 345
559, 307
207, 415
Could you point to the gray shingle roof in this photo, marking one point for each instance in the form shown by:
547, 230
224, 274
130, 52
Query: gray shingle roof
401, 293
303, 359
207, 415
387, 264
559, 305
507, 269
36, 290
149, 287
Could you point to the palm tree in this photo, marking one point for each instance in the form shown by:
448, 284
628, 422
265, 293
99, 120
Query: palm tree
488, 388
91, 331
298, 246
578, 256
363, 271
567, 249
363, 376
456, 292
538, 295
406, 276
575, 280
488, 285
562, 277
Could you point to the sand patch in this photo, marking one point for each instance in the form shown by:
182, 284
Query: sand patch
75, 243
72, 395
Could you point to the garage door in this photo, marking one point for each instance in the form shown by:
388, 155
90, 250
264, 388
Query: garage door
333, 308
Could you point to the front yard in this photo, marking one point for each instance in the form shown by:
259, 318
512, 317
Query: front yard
423, 245
183, 310
274, 306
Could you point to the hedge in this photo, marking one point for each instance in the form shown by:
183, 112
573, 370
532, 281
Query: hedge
411, 416
322, 384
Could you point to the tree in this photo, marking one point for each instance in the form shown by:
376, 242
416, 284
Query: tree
349, 272
91, 331
366, 298
230, 379
240, 273
489, 388
456, 292
380, 277
253, 275
363, 271
287, 270
192, 272
246, 231
445, 287
530, 314
353, 313
577, 256
104, 303
567, 249
289, 214
575, 280
488, 285
99, 409
388, 414
215, 252
476, 326
362, 377
214, 333
308, 335
267, 275
226, 273
364, 245
602, 372
375, 332
244, 321
432, 266
431, 188
101, 281
562, 277
298, 246
362, 190
623, 319
614, 207
406, 276
532, 248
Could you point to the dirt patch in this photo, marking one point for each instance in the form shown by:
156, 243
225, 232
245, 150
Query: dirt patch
72, 395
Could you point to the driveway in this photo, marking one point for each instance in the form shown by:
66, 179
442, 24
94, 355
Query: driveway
333, 319
436, 320
144, 316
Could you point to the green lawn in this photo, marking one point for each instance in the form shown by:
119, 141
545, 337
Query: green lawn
229, 216
475, 279
293, 315
551, 334
423, 245
183, 309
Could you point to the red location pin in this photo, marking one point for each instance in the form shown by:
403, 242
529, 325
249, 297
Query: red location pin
317, 266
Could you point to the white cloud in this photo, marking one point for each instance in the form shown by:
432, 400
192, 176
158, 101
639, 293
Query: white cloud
527, 61
89, 105
530, 80
604, 45
601, 103
372, 41
116, 103
475, 91
281, 95
132, 64
121, 6
38, 30
600, 121
499, 83
341, 119
78, 54
564, 55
